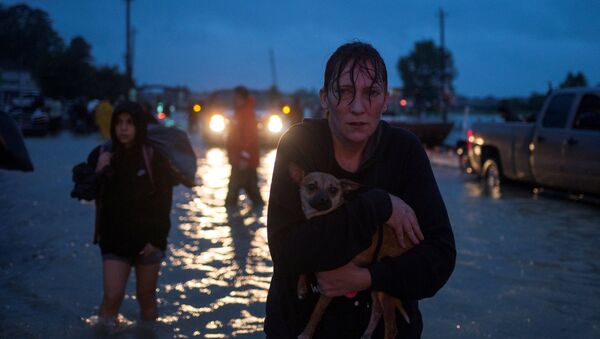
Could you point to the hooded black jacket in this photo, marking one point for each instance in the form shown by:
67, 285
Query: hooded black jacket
394, 162
132, 209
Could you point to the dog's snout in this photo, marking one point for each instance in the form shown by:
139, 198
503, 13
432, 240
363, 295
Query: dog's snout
320, 202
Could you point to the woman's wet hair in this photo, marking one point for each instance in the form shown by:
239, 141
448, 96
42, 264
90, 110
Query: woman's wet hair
361, 55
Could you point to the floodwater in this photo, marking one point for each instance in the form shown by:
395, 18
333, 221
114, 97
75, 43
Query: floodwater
527, 266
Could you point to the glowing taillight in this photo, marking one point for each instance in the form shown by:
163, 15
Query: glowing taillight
470, 139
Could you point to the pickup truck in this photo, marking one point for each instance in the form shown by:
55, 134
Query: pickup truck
560, 150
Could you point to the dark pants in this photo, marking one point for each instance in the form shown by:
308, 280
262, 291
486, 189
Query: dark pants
248, 180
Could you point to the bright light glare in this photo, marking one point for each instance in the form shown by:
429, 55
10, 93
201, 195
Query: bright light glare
217, 123
286, 109
275, 124
197, 108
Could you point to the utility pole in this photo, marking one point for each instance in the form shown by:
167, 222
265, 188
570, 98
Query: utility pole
443, 68
273, 71
128, 45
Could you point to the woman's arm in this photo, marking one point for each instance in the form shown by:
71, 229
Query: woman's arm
422, 271
298, 245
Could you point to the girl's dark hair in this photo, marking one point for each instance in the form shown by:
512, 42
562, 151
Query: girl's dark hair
137, 115
360, 54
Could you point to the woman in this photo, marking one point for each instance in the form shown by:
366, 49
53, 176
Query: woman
133, 207
398, 189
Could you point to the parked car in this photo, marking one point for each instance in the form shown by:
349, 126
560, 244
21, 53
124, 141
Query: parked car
35, 115
560, 150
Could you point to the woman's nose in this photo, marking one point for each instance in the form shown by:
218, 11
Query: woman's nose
357, 106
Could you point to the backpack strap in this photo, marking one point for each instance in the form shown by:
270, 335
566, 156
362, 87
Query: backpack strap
148, 153
106, 147
97, 222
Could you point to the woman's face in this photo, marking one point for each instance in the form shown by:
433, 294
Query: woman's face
125, 129
356, 116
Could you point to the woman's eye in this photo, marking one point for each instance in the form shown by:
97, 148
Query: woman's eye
347, 93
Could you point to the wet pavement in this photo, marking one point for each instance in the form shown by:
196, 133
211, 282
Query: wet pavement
527, 266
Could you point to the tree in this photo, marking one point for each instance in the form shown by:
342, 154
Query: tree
109, 83
574, 80
421, 74
26, 35
67, 74
28, 40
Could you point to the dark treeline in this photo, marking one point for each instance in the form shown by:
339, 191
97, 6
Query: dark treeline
28, 41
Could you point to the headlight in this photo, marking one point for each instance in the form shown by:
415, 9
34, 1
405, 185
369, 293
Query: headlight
275, 124
217, 123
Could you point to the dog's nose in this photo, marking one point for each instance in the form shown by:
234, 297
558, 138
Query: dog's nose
320, 202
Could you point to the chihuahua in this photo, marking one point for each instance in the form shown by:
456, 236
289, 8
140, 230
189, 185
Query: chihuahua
321, 193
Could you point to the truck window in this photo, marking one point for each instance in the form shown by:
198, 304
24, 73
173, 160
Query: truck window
588, 113
558, 111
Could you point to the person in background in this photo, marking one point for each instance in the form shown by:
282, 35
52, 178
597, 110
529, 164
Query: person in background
133, 205
102, 115
243, 150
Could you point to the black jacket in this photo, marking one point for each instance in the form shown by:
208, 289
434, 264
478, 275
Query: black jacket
132, 209
394, 162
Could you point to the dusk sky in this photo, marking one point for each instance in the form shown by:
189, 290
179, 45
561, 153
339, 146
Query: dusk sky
500, 48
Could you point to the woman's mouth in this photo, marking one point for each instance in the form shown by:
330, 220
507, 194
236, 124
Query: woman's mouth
357, 124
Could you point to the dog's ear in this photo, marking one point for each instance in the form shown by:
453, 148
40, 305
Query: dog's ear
296, 173
349, 185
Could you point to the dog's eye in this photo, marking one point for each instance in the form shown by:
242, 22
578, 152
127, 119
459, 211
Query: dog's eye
311, 187
333, 190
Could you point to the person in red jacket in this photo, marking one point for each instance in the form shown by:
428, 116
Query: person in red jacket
242, 149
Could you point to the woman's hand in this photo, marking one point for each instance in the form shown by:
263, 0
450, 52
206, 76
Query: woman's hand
404, 222
103, 161
149, 250
343, 280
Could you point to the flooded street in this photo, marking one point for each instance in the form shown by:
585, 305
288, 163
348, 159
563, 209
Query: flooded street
527, 266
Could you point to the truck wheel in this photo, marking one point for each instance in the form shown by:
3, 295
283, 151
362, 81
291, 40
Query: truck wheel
491, 174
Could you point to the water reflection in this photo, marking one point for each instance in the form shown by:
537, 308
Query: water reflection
527, 265
223, 255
